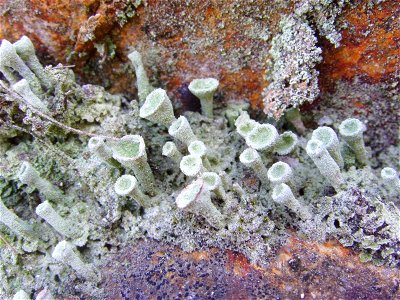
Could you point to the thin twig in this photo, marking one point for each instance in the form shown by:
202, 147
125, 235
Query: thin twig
50, 119
11, 247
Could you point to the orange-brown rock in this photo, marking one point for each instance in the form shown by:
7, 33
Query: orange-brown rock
300, 270
225, 39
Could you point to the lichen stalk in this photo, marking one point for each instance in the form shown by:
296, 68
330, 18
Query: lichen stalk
61, 225
252, 159
197, 199
143, 84
324, 162
64, 252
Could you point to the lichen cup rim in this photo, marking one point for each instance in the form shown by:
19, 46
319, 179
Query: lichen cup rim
315, 147
202, 86
388, 172
351, 127
177, 125
282, 147
249, 156
153, 102
168, 148
192, 170
120, 154
197, 148
189, 194
214, 182
262, 137
125, 184
278, 170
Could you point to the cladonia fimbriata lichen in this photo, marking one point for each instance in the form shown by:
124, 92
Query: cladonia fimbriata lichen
143, 85
204, 89
351, 131
325, 163
28, 175
177, 199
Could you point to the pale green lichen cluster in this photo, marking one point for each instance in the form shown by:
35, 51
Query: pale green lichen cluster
136, 171
292, 76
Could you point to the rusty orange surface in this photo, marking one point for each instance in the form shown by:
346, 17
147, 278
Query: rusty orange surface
300, 269
370, 46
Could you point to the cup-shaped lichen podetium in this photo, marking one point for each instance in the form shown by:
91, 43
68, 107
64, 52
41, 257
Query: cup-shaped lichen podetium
131, 153
198, 148
22, 87
181, 130
61, 225
262, 137
14, 223
142, 81
26, 51
204, 89
98, 146
191, 165
351, 130
328, 136
213, 182
282, 194
324, 162
158, 108
251, 158
246, 126
280, 172
126, 185
286, 143
170, 150
197, 199
64, 252
11, 64
29, 176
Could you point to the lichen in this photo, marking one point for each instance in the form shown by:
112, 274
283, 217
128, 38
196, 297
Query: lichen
362, 214
294, 54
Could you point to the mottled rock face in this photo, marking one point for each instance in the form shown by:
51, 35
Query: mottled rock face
228, 40
243, 45
300, 268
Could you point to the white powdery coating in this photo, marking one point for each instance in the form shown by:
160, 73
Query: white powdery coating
64, 253
280, 172
197, 200
191, 165
262, 137
204, 89
143, 85
158, 108
324, 162
181, 130
65, 227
